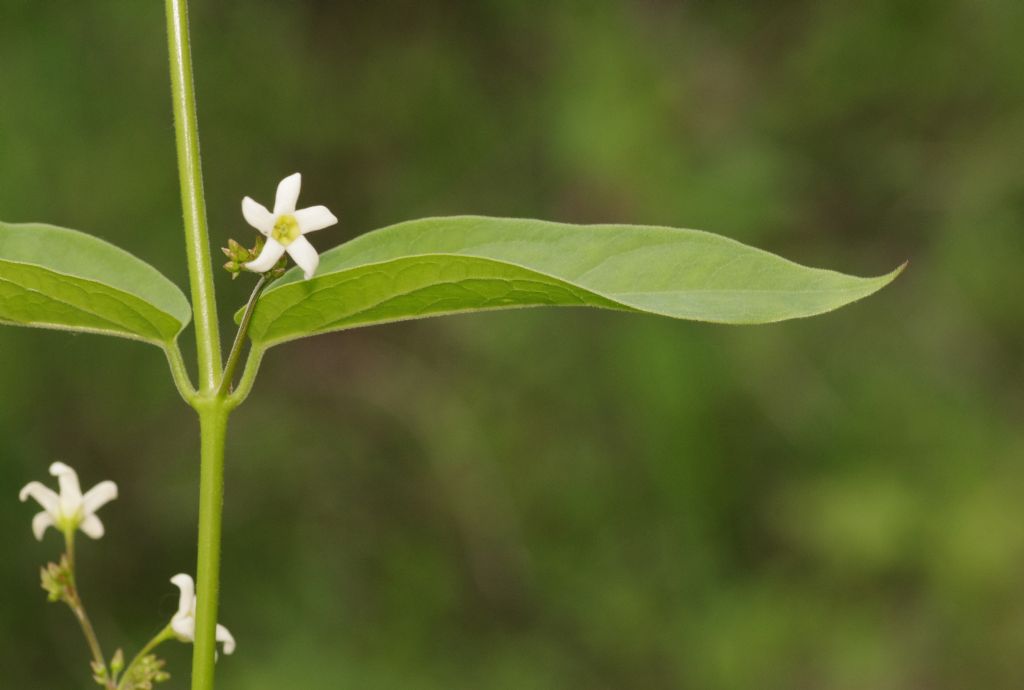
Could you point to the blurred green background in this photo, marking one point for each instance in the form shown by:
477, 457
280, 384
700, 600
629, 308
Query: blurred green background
549, 499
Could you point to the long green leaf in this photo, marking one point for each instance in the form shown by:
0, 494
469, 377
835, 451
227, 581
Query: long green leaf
449, 265
53, 277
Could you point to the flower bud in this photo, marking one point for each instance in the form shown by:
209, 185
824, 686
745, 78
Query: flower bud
99, 673
117, 663
56, 580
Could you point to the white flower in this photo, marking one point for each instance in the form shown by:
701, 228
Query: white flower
184, 621
69, 510
285, 227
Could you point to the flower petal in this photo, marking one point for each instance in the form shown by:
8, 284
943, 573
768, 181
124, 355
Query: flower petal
92, 526
39, 524
70, 490
187, 598
98, 496
257, 215
314, 218
271, 254
224, 636
184, 627
287, 194
44, 495
304, 255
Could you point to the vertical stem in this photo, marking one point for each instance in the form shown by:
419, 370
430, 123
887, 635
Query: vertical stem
213, 419
213, 412
197, 244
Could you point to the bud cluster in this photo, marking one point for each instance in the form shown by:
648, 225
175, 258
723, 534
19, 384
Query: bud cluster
56, 580
145, 673
106, 677
238, 256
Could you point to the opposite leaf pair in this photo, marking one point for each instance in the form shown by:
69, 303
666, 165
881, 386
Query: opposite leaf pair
57, 278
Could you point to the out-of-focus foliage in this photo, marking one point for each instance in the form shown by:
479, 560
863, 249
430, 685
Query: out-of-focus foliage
561, 499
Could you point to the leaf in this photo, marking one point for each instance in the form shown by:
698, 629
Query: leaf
53, 277
439, 266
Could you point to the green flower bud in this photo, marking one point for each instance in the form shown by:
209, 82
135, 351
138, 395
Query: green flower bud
56, 580
147, 672
99, 673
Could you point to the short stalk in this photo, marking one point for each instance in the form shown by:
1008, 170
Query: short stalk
179, 372
166, 634
239, 344
248, 378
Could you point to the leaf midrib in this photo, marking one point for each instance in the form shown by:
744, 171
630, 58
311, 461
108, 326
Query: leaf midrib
610, 296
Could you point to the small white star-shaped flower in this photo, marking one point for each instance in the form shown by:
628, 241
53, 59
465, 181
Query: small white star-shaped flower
285, 227
184, 621
69, 510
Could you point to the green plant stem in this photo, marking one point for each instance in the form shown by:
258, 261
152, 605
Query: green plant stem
179, 372
212, 408
244, 387
69, 551
197, 244
213, 419
74, 601
166, 634
243, 330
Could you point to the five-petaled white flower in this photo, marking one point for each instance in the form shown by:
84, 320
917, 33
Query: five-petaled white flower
285, 227
69, 510
184, 621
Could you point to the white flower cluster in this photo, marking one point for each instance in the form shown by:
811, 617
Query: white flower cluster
70, 510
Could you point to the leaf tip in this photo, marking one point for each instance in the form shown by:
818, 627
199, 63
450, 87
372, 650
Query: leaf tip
895, 273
